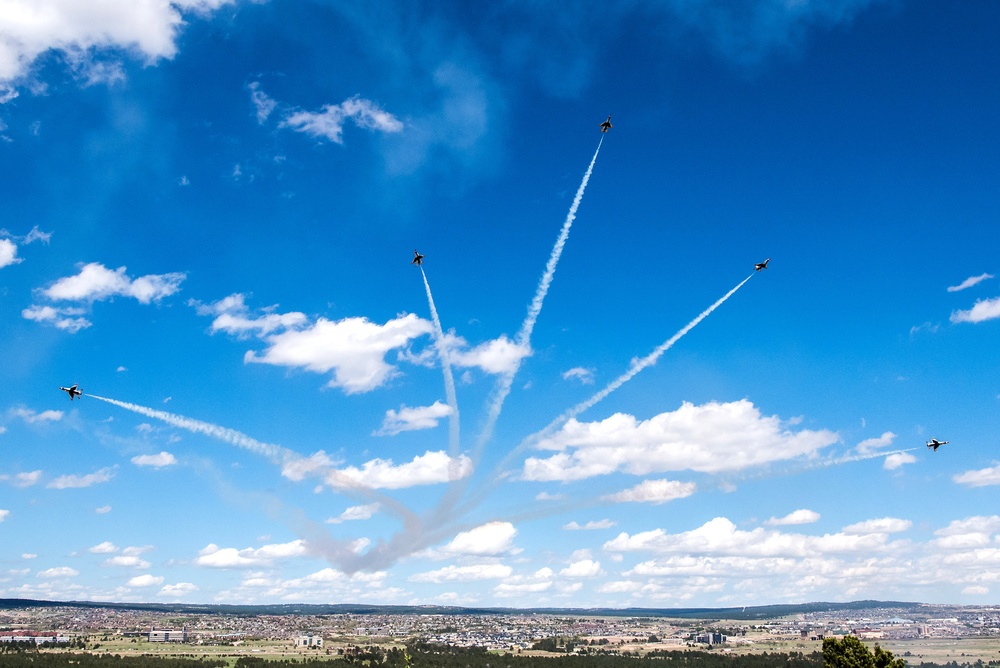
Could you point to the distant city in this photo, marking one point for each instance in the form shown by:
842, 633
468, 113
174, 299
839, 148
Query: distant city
510, 631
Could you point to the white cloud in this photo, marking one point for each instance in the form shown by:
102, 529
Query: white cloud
969, 282
95, 282
29, 555
585, 568
979, 478
721, 537
353, 349
8, 253
234, 317
127, 561
984, 309
145, 580
4, 514
79, 481
412, 419
881, 525
157, 461
27, 479
59, 572
31, 417
67, 318
329, 123
179, 589
871, 445
464, 573
518, 585
711, 438
213, 556
489, 539
86, 32
497, 356
355, 513
801, 516
894, 461
585, 376
428, 469
590, 526
654, 491
263, 104
103, 510
107, 547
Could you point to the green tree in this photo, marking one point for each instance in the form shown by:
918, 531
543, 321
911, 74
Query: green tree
852, 653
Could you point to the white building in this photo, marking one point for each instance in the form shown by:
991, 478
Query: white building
309, 641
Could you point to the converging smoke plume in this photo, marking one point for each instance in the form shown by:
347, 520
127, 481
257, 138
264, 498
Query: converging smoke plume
523, 339
449, 380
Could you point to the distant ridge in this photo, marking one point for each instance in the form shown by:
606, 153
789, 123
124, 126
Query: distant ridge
748, 612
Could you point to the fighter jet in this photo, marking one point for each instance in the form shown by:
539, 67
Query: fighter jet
761, 265
73, 392
606, 125
934, 443
418, 259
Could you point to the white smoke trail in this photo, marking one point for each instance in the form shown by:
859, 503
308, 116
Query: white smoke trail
637, 366
523, 338
276, 454
449, 380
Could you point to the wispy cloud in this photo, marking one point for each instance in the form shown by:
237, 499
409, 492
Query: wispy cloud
412, 419
654, 491
590, 526
31, 417
585, 376
72, 481
969, 282
329, 123
801, 516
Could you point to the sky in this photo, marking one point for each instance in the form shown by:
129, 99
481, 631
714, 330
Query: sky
585, 395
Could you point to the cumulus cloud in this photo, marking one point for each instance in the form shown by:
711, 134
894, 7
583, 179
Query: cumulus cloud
233, 316
878, 526
157, 461
518, 585
8, 253
107, 547
654, 491
59, 572
711, 438
353, 349
984, 309
585, 568
895, 460
720, 536
213, 556
497, 356
27, 478
72, 481
871, 445
329, 123
412, 419
969, 282
464, 573
95, 282
4, 514
90, 36
491, 539
179, 589
128, 561
979, 477
431, 468
145, 580
68, 318
801, 516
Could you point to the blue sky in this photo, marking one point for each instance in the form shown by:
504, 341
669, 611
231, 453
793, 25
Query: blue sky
210, 209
